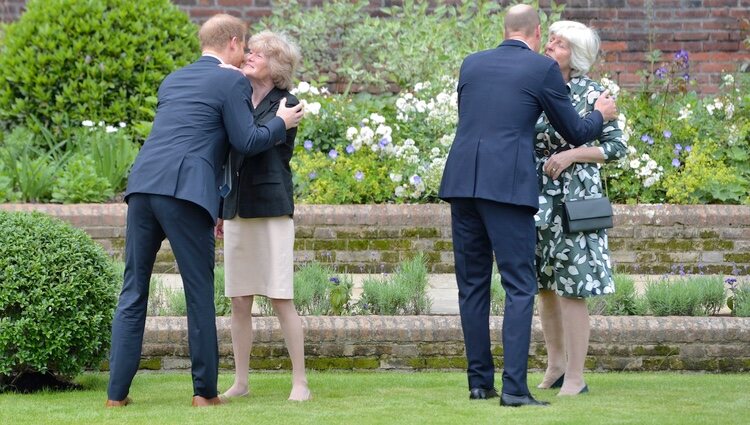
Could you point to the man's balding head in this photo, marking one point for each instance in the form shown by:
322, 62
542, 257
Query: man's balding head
521, 19
219, 30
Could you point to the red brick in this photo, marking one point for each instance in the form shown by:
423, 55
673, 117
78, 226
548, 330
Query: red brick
722, 67
721, 3
690, 36
614, 46
725, 46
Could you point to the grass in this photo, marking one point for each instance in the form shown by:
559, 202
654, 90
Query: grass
395, 398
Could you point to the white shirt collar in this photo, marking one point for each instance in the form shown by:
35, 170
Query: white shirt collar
213, 56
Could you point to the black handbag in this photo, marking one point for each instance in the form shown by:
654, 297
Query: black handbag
585, 215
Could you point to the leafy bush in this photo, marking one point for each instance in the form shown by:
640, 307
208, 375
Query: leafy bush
65, 61
624, 302
78, 182
222, 303
311, 283
497, 293
57, 298
740, 300
27, 167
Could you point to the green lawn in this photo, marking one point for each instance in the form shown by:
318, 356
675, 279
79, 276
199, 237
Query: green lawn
395, 398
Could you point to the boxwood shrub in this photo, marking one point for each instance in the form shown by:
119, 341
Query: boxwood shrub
57, 298
65, 61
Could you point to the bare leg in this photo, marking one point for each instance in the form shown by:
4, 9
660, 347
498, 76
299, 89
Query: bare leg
575, 314
552, 326
242, 342
291, 327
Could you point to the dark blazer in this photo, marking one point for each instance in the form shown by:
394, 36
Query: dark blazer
262, 184
501, 93
202, 110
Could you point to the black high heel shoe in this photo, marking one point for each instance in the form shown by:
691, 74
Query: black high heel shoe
559, 382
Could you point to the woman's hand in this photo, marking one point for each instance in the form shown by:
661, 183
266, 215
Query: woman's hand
558, 162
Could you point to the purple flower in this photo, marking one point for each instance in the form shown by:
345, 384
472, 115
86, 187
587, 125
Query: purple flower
667, 134
677, 149
308, 144
661, 72
359, 176
333, 154
312, 175
675, 162
688, 148
383, 142
730, 281
682, 56
335, 280
350, 149
648, 139
415, 180
686, 76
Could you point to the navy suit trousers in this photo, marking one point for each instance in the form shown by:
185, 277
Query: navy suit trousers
190, 231
481, 227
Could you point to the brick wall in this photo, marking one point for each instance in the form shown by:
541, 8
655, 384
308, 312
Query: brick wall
711, 30
618, 343
646, 239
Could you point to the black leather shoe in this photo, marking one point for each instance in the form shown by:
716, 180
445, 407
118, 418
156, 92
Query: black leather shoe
482, 394
520, 400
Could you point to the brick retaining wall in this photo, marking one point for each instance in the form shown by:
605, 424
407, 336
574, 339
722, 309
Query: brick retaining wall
715, 344
647, 239
711, 30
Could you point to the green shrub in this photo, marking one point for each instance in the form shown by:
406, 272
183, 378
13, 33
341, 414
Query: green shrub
624, 302
740, 300
693, 296
431, 41
222, 303
403, 292
28, 164
66, 61
311, 284
79, 182
57, 298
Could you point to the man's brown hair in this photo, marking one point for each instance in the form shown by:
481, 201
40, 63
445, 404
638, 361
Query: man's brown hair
219, 30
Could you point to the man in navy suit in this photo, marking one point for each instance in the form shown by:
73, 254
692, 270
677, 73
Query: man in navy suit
173, 193
491, 184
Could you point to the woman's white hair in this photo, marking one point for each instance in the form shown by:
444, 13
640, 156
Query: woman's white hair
584, 45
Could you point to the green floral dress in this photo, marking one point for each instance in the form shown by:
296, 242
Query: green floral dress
573, 265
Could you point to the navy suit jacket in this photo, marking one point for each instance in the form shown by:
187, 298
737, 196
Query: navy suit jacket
202, 110
501, 93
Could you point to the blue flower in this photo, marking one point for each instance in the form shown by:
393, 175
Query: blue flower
333, 154
350, 149
675, 162
415, 180
688, 148
383, 142
359, 176
661, 72
648, 139
308, 144
335, 280
677, 149
667, 134
682, 56
312, 175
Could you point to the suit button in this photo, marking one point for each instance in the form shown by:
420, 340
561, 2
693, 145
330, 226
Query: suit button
546, 152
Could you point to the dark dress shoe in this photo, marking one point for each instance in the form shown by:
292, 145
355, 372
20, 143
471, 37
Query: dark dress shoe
520, 400
482, 394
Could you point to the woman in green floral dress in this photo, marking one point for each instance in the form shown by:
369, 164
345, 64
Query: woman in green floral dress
571, 267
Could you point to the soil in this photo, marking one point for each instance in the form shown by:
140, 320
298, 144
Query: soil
35, 381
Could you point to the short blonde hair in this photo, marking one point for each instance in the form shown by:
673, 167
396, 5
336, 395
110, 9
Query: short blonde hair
584, 45
282, 54
219, 30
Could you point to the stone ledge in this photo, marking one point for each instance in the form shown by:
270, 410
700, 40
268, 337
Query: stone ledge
435, 342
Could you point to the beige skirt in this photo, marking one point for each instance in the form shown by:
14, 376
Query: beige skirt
259, 257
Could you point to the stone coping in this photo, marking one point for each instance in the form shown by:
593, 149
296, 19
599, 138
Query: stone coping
416, 214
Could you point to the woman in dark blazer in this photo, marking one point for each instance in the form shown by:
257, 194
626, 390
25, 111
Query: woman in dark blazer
257, 212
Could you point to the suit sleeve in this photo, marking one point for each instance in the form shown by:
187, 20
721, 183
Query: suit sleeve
561, 113
243, 134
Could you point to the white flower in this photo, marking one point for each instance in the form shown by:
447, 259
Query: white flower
400, 191
302, 88
395, 177
111, 129
376, 118
728, 79
634, 164
312, 108
685, 112
710, 108
350, 133
122, 124
649, 181
87, 123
